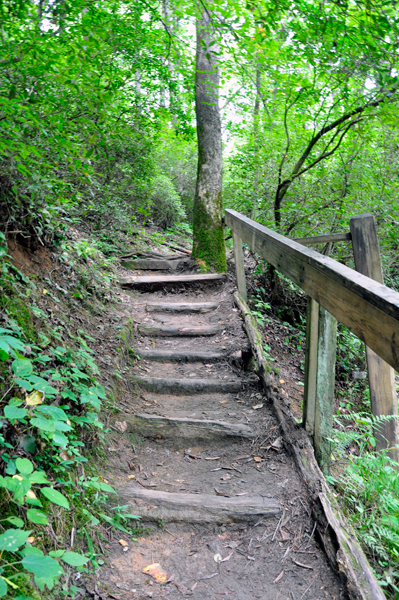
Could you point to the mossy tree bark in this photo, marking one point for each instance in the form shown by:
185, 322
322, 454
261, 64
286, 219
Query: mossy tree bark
208, 238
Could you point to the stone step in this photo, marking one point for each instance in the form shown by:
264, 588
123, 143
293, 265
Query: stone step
159, 281
187, 386
154, 426
194, 307
154, 505
176, 331
185, 355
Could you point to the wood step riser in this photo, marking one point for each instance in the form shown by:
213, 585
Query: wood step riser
182, 307
158, 282
156, 427
151, 264
175, 331
154, 505
178, 387
184, 356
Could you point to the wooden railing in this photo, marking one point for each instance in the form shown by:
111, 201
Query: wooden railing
358, 299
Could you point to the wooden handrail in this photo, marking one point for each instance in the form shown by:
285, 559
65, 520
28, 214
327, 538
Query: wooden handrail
368, 308
322, 239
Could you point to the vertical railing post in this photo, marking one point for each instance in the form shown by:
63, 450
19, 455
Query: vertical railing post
239, 262
381, 376
318, 409
312, 338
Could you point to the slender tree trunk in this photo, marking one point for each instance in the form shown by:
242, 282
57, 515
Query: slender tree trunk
255, 196
208, 239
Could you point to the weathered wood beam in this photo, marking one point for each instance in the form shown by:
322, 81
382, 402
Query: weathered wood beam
322, 239
154, 505
366, 307
185, 355
176, 331
187, 386
159, 281
154, 426
381, 376
200, 307
239, 263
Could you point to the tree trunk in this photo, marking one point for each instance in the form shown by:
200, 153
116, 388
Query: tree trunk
208, 243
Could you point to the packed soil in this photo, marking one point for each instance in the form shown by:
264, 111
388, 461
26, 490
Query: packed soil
270, 558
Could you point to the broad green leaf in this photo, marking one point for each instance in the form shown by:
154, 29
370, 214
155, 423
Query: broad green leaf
42, 566
24, 466
19, 486
38, 477
37, 516
24, 384
55, 497
43, 424
12, 539
3, 587
28, 443
74, 559
13, 412
16, 521
59, 439
13, 342
54, 412
22, 367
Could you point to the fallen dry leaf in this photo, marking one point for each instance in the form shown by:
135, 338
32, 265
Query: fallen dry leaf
278, 443
34, 398
131, 476
279, 577
123, 543
157, 572
257, 406
121, 426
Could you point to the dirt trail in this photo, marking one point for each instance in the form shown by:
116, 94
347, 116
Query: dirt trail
240, 554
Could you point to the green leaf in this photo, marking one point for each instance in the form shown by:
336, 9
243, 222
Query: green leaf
38, 477
3, 587
24, 384
19, 487
24, 466
28, 443
22, 367
37, 516
55, 497
74, 559
59, 439
12, 539
54, 412
13, 412
13, 342
43, 424
42, 566
16, 521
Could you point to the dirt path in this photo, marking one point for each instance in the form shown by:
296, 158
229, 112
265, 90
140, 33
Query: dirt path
251, 536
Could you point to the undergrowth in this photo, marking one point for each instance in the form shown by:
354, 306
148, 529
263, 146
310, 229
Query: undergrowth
54, 502
368, 483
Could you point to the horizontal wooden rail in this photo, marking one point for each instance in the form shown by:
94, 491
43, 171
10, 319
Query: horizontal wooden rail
322, 239
368, 308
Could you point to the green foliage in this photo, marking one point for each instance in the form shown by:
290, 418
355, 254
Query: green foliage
167, 210
369, 487
51, 400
